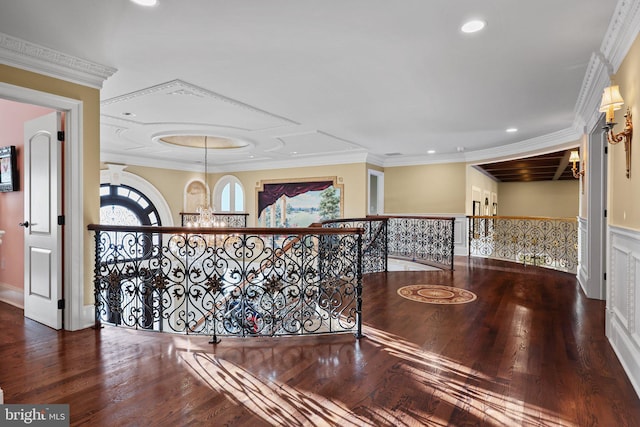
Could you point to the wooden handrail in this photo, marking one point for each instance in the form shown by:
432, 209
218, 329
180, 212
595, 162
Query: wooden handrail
410, 217
532, 218
225, 230
217, 213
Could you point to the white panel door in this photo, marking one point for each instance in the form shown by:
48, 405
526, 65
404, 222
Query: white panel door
42, 234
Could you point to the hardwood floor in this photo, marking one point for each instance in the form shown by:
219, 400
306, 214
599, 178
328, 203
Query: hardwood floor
529, 351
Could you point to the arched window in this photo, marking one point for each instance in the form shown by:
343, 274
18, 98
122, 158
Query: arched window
228, 195
124, 205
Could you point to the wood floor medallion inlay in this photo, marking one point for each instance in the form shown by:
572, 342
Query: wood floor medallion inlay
436, 294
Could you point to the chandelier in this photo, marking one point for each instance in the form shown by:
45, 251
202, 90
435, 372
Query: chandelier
203, 216
206, 216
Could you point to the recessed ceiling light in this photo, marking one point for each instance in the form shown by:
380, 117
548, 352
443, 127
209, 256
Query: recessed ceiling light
511, 130
431, 152
473, 26
146, 2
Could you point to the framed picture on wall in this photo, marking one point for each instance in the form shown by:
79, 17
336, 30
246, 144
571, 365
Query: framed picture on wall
299, 202
8, 169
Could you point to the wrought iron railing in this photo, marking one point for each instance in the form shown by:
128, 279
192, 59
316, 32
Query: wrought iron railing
374, 240
545, 242
422, 239
231, 281
428, 240
222, 219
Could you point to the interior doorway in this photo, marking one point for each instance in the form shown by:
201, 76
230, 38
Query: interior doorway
76, 316
13, 115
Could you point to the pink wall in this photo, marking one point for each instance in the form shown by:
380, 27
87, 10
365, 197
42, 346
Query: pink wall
12, 118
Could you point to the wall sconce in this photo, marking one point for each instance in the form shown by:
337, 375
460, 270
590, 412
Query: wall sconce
611, 101
575, 158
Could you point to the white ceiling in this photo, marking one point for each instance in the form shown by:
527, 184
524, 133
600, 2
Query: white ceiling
332, 81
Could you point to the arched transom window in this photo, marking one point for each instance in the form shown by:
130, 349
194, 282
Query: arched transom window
124, 205
229, 195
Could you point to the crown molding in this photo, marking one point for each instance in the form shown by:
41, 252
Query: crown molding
237, 166
427, 159
565, 138
374, 159
29, 56
621, 33
596, 78
559, 140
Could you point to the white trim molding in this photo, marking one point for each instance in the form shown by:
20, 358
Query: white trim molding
116, 175
461, 235
623, 30
623, 300
583, 255
620, 35
74, 254
217, 194
29, 56
596, 78
11, 295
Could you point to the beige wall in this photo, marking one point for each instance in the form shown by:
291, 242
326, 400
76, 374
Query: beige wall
172, 183
429, 189
478, 181
90, 150
624, 193
539, 198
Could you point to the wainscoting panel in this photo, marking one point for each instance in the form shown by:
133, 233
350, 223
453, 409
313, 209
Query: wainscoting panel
623, 299
461, 236
619, 295
635, 299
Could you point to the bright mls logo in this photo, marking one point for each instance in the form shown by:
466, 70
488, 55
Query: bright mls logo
34, 415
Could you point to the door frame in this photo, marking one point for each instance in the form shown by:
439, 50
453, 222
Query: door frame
76, 315
379, 191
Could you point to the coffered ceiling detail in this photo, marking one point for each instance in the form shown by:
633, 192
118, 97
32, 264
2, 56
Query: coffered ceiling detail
315, 142
181, 102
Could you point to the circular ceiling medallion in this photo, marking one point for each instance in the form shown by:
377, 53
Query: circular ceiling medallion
436, 294
200, 141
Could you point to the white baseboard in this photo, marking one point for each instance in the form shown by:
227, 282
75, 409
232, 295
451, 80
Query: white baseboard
88, 316
11, 295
